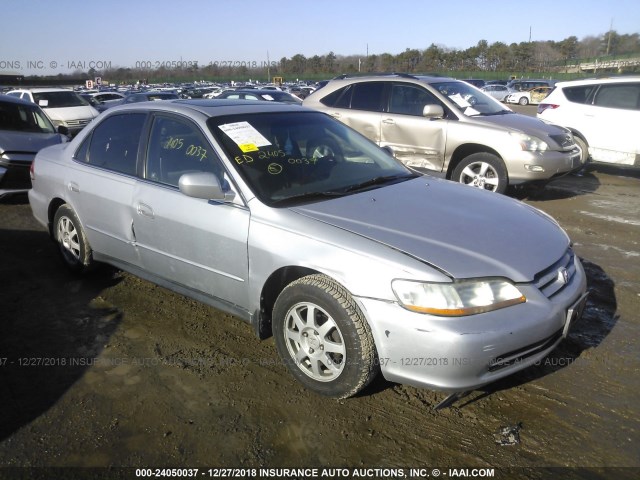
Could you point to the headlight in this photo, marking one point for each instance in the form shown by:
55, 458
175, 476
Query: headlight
529, 142
456, 299
59, 123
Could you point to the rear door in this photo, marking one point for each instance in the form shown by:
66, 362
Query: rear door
359, 106
416, 141
610, 123
101, 183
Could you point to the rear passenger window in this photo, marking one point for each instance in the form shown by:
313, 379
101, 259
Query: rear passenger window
177, 147
114, 143
367, 96
625, 96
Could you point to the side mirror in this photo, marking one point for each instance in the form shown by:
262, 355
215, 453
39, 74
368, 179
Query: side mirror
433, 111
388, 150
203, 185
63, 130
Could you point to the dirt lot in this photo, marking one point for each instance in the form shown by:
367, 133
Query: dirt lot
110, 370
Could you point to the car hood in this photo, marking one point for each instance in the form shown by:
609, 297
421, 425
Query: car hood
26, 142
460, 230
524, 124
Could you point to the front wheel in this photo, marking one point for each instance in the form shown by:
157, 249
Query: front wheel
323, 337
482, 170
584, 149
523, 101
72, 242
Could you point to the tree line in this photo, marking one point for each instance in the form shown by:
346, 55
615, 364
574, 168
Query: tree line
517, 58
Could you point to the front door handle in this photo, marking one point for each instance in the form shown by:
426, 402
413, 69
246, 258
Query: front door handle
388, 121
73, 187
146, 210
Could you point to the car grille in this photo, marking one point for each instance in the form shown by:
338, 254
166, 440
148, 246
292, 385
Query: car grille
565, 140
553, 279
517, 356
78, 123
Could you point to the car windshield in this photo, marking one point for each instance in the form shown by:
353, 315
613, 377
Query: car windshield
24, 118
469, 100
59, 99
289, 158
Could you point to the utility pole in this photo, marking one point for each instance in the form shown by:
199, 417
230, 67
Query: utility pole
609, 41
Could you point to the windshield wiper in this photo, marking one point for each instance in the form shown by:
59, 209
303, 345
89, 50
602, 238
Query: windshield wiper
379, 181
308, 196
500, 112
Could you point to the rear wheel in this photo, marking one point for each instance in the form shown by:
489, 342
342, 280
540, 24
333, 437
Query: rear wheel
482, 170
323, 338
72, 242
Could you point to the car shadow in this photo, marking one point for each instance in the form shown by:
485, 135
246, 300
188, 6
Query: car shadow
568, 186
52, 326
598, 320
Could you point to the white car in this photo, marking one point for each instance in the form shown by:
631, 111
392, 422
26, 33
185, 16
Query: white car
499, 92
603, 115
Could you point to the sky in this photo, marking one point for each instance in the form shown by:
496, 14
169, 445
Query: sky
44, 37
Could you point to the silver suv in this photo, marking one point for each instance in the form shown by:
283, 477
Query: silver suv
449, 128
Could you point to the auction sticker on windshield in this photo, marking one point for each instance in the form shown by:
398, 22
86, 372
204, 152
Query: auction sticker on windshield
245, 136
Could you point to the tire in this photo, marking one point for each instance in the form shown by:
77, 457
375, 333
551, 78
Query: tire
332, 353
584, 149
72, 242
523, 101
482, 170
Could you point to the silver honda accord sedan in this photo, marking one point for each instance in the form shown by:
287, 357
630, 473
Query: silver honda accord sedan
304, 228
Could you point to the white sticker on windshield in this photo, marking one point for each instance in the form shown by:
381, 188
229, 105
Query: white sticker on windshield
470, 112
461, 102
245, 136
268, 97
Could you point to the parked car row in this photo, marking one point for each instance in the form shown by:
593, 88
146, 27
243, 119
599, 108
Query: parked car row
63, 106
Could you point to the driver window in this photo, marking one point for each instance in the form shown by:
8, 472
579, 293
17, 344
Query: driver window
177, 147
409, 100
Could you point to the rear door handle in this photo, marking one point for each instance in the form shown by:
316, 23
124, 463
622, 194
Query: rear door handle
73, 187
388, 121
146, 210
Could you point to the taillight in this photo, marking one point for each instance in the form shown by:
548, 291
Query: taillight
32, 171
543, 106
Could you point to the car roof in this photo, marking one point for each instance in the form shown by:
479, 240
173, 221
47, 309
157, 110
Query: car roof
266, 91
212, 107
16, 100
42, 90
592, 81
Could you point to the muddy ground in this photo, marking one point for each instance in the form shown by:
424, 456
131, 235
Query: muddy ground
110, 370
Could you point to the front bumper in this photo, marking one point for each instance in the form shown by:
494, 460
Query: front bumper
14, 178
465, 353
533, 166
